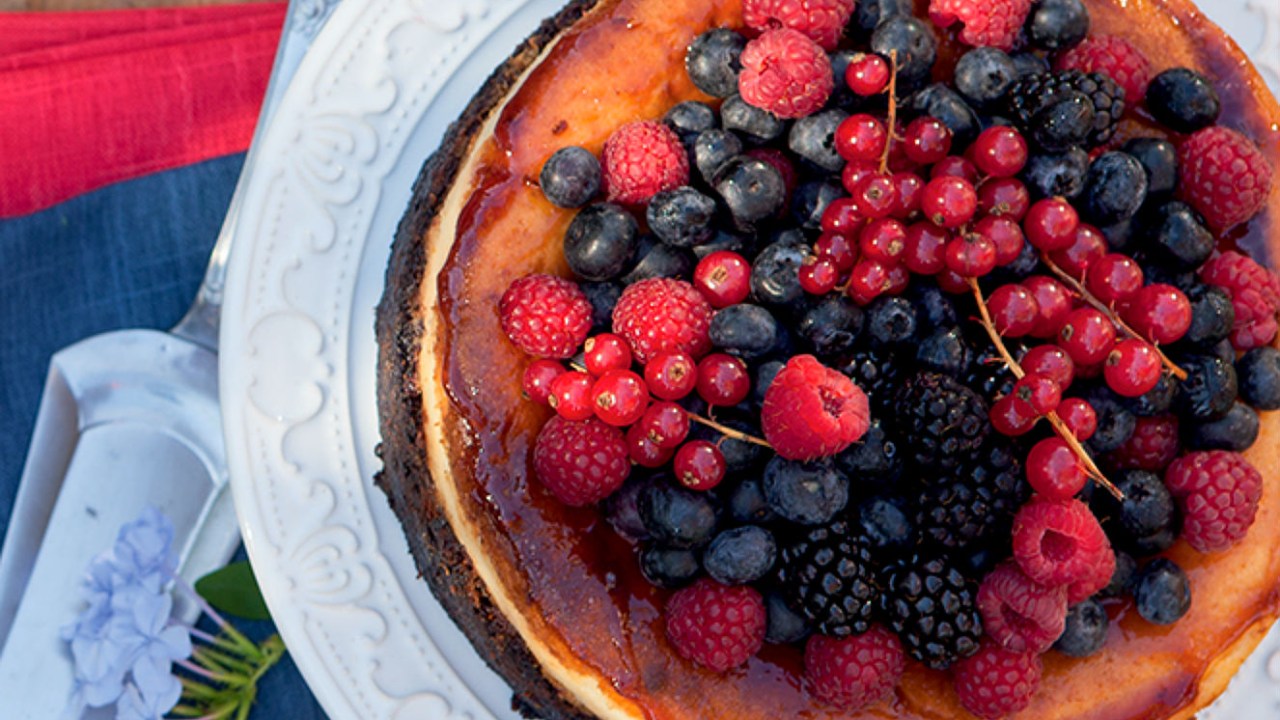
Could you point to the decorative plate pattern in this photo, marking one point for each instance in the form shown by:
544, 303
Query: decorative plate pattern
368, 105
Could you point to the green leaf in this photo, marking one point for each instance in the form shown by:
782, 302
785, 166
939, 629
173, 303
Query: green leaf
234, 590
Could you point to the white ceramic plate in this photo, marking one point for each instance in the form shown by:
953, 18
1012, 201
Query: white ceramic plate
369, 104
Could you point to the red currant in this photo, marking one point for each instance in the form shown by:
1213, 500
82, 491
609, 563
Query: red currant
723, 379
643, 451
838, 249
671, 375
955, 166
699, 465
842, 216
867, 75
1051, 224
923, 248
1038, 391
853, 173
1013, 310
620, 397
876, 195
538, 377
666, 424
1054, 470
951, 282
1006, 234
1087, 336
606, 352
1088, 247
897, 280
970, 255
723, 277
883, 240
868, 280
1050, 361
571, 395
1114, 279
1012, 417
926, 140
861, 137
1005, 197
1079, 417
1133, 368
949, 202
819, 275
909, 188
1054, 302
1161, 313
1000, 151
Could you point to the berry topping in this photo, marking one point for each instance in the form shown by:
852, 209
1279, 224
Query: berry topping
930, 604
996, 683
1114, 57
661, 314
785, 73
822, 21
580, 462
850, 673
1057, 542
1018, 613
1224, 176
944, 421
640, 160
811, 411
545, 316
994, 22
714, 625
1218, 492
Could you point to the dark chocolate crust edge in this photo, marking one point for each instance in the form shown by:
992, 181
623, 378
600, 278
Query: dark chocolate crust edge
440, 558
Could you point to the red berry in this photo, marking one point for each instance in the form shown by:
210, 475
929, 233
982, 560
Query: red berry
643, 450
821, 20
606, 352
545, 315
970, 255
1052, 362
1013, 310
1152, 445
909, 189
836, 248
995, 683
715, 625
853, 173
663, 314
723, 379
1006, 234
724, 278
1255, 297
1114, 279
861, 137
876, 195
786, 73
571, 395
1057, 542
1224, 175
819, 276
867, 75
950, 282
1038, 391
835, 412
642, 159
842, 217
949, 202
665, 424
1000, 151
1218, 492
926, 140
853, 672
580, 462
897, 280
883, 240
1013, 417
1079, 417
1161, 313
868, 280
1054, 470
996, 23
1004, 197
1133, 368
671, 374
1051, 224
620, 397
955, 166
1087, 336
1054, 302
1019, 613
1098, 577
1115, 57
699, 465
1089, 247
538, 377
923, 248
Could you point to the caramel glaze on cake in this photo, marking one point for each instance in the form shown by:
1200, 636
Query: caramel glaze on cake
549, 595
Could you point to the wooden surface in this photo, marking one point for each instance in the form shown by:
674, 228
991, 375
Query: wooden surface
12, 5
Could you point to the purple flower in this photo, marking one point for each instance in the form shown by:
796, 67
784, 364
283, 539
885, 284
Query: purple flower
143, 550
137, 704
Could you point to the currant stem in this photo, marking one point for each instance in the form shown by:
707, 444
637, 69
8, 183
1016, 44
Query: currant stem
1080, 289
893, 111
729, 432
1060, 427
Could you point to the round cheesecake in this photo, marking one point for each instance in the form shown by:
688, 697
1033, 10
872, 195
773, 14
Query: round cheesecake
549, 595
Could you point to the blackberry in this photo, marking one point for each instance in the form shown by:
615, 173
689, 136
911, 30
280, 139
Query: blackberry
987, 373
1032, 96
878, 374
930, 605
974, 503
941, 422
831, 581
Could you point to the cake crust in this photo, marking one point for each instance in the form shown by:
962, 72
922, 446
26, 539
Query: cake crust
410, 322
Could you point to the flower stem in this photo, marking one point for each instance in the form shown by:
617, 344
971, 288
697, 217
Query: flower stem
247, 646
195, 669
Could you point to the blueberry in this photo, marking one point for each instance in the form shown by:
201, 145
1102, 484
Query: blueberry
741, 555
600, 242
1029, 63
748, 331
752, 189
1147, 507
783, 626
1160, 159
681, 217
747, 505
869, 14
914, 42
1183, 100
1162, 592
713, 149
1156, 401
1064, 123
1063, 174
676, 516
1058, 24
1177, 236
832, 326
874, 460
1236, 431
691, 118
811, 201
1259, 376
1153, 544
1115, 189
764, 375
775, 275
892, 321
1122, 578
714, 61
623, 508
744, 245
1115, 423
739, 456
657, 259
1086, 630
668, 567
814, 139
571, 177
603, 296
1120, 236
941, 102
1183, 280
1210, 388
984, 76
1212, 315
944, 351
933, 307
808, 493
885, 523
1024, 266
756, 123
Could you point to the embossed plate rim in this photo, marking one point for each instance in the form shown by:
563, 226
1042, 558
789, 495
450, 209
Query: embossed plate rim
297, 367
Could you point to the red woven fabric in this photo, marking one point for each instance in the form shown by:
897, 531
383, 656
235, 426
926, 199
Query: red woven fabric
92, 98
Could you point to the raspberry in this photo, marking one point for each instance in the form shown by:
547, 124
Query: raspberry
1099, 577
1224, 175
986, 22
580, 462
996, 682
852, 672
1020, 613
1255, 297
1218, 492
786, 73
1057, 542
642, 159
660, 314
1152, 446
545, 316
716, 625
811, 411
822, 21
1114, 57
